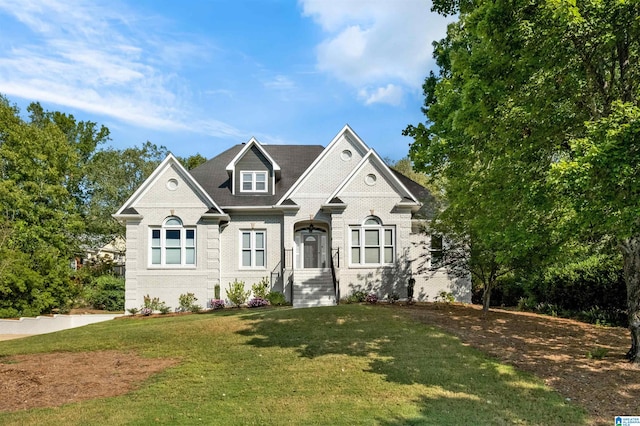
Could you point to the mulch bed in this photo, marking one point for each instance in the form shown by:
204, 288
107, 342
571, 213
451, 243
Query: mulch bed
553, 349
53, 379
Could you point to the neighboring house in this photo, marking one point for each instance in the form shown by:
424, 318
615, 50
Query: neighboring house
319, 222
112, 252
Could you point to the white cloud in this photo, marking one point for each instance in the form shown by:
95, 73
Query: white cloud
391, 94
376, 42
103, 59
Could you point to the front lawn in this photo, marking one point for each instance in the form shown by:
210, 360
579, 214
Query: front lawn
348, 364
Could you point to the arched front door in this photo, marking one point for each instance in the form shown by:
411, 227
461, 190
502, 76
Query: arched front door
311, 247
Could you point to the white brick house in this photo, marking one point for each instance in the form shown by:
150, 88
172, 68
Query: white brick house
319, 222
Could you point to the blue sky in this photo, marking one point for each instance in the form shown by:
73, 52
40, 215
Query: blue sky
201, 76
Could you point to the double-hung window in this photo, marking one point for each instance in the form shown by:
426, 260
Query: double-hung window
436, 248
253, 181
372, 243
253, 249
173, 244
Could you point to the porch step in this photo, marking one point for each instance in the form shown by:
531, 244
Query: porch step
313, 287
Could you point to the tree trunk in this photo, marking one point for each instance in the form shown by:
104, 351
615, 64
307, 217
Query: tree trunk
631, 258
486, 297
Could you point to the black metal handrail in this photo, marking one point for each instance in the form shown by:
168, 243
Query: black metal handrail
336, 289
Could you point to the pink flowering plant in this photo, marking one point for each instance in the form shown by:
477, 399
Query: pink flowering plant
217, 304
257, 302
371, 298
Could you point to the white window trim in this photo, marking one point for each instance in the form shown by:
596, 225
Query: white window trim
254, 174
381, 244
163, 246
253, 248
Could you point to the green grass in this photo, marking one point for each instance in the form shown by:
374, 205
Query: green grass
348, 364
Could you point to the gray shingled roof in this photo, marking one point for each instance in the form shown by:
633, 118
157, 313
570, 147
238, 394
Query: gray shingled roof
293, 161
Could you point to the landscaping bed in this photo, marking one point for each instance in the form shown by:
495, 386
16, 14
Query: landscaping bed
584, 362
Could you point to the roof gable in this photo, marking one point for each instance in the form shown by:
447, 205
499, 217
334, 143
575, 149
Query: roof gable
253, 142
345, 134
169, 162
374, 159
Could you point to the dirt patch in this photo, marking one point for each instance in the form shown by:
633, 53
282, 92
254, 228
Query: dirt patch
554, 349
53, 379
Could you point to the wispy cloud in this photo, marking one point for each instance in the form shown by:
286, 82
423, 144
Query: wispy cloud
390, 94
379, 43
106, 60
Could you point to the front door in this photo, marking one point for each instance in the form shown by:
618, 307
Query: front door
311, 248
310, 251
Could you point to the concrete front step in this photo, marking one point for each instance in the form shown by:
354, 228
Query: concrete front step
313, 288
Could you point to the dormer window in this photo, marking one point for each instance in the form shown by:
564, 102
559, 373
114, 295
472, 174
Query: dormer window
254, 181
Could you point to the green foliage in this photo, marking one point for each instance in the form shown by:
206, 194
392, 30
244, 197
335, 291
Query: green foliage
357, 296
216, 291
594, 280
611, 317
151, 303
236, 293
597, 353
106, 292
393, 297
187, 303
445, 297
192, 161
276, 298
532, 124
261, 289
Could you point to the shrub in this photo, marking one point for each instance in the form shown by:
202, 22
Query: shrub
261, 289
146, 311
153, 304
276, 298
106, 292
357, 296
187, 303
445, 297
257, 302
393, 297
217, 304
371, 298
216, 291
163, 308
597, 353
236, 293
606, 317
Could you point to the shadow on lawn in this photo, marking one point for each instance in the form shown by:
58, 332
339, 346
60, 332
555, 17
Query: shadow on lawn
460, 385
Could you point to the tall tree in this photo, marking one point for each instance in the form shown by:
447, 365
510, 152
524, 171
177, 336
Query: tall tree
36, 163
518, 83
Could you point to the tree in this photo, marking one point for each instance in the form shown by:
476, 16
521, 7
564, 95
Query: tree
523, 88
192, 161
36, 164
479, 103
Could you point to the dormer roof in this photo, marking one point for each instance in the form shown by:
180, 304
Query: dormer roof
253, 142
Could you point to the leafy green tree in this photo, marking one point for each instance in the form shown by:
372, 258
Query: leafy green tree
36, 163
192, 161
528, 87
